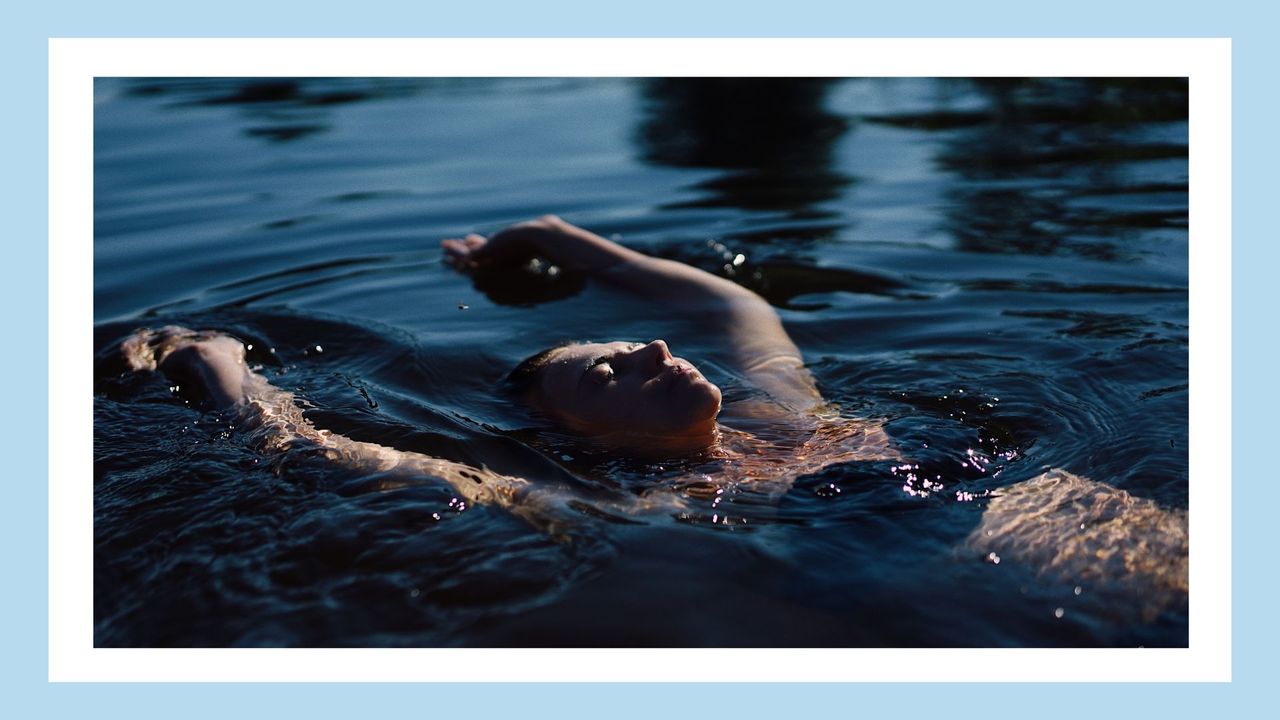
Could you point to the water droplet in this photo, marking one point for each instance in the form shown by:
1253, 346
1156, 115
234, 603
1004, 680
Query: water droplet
435, 516
415, 592
249, 346
1078, 590
319, 349
739, 259
827, 491
566, 458
1059, 613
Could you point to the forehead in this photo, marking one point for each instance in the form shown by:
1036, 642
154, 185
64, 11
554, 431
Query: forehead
588, 351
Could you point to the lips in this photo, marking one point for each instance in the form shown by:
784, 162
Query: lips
679, 377
680, 370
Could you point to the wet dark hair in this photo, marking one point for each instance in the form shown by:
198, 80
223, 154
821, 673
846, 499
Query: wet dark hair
524, 378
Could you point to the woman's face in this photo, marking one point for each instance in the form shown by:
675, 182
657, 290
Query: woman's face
628, 389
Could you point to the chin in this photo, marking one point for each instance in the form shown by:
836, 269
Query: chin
707, 401
699, 417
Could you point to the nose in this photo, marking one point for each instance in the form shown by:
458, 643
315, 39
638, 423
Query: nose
655, 355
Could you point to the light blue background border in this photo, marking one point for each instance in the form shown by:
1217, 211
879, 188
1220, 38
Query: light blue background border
23, 183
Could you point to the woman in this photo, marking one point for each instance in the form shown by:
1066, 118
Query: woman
634, 397
638, 398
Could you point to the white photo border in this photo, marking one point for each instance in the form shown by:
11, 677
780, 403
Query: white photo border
73, 65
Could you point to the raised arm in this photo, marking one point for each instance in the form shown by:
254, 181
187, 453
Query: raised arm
749, 328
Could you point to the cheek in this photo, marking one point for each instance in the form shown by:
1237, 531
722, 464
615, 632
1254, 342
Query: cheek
603, 405
625, 405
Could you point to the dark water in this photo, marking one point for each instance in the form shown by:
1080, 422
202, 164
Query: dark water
998, 268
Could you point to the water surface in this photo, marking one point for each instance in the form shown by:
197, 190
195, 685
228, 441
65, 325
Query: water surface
998, 268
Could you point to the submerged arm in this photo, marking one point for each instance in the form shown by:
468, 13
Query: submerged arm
212, 368
749, 327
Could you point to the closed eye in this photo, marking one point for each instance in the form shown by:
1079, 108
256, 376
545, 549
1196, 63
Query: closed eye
607, 374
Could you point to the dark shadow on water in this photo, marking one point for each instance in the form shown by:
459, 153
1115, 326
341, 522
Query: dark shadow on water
780, 282
278, 110
285, 133
1093, 324
772, 137
535, 284
1082, 136
313, 92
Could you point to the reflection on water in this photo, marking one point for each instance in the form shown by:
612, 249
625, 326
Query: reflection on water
1085, 137
773, 135
996, 268
278, 110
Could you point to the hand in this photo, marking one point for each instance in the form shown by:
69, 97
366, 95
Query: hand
531, 262
148, 350
208, 366
465, 255
547, 237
